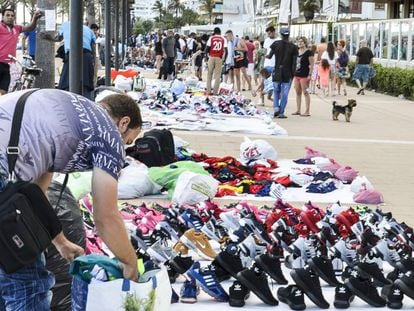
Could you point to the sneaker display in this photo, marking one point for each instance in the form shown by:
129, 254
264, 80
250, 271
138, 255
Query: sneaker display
230, 219
198, 241
238, 294
221, 273
343, 297
323, 267
189, 292
406, 284
250, 248
309, 283
393, 295
387, 252
208, 282
346, 252
210, 231
256, 280
166, 227
251, 225
271, 265
293, 296
191, 220
364, 289
159, 252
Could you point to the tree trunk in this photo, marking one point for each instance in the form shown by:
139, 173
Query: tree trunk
90, 12
45, 50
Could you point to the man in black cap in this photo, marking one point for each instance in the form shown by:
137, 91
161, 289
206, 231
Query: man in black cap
286, 54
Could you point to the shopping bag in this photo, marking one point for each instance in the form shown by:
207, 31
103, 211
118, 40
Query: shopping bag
254, 150
346, 174
121, 294
360, 183
192, 188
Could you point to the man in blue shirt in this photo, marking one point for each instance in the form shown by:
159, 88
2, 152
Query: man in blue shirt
31, 36
88, 39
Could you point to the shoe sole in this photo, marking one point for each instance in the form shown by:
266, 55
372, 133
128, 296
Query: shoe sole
236, 303
266, 268
251, 286
330, 281
406, 290
308, 291
362, 295
188, 300
340, 304
290, 304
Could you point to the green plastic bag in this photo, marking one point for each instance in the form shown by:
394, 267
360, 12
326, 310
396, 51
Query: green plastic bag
167, 176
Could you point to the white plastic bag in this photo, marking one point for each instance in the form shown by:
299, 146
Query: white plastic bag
178, 87
122, 83
192, 188
321, 161
111, 296
300, 178
360, 182
134, 181
253, 150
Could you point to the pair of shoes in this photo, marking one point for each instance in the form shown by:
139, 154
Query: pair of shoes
293, 296
275, 114
365, 289
282, 116
305, 115
189, 291
297, 113
360, 91
198, 241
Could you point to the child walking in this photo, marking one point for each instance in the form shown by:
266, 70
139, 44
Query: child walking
323, 73
266, 87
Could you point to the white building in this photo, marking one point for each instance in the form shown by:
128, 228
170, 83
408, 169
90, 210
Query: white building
144, 9
194, 5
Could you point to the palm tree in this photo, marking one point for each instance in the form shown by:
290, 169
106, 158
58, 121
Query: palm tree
158, 6
176, 6
309, 7
208, 6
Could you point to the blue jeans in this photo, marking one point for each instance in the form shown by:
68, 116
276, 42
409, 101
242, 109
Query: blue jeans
281, 89
27, 289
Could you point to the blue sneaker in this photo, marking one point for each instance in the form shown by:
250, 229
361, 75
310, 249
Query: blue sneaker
191, 220
207, 280
189, 292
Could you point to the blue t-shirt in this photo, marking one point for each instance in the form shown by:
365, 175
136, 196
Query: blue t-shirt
61, 132
31, 37
87, 39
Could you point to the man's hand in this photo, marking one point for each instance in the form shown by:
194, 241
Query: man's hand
130, 271
37, 15
66, 248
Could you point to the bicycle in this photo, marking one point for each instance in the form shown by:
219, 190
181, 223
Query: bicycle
29, 72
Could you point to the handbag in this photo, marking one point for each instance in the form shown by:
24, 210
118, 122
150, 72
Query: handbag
28, 222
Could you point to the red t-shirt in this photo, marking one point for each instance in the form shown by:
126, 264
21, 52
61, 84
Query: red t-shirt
8, 41
217, 45
250, 49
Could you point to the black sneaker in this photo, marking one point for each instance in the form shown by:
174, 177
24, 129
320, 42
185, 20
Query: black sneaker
230, 262
406, 284
293, 296
275, 114
371, 270
172, 273
323, 267
394, 296
365, 289
238, 294
221, 273
271, 265
181, 264
256, 280
395, 274
309, 283
343, 297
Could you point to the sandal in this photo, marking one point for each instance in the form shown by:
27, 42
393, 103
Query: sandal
296, 114
305, 115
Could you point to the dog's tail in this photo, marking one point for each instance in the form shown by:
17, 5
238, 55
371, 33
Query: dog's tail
334, 103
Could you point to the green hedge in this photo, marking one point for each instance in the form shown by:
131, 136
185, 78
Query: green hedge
392, 81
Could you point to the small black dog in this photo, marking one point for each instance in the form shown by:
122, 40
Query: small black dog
346, 110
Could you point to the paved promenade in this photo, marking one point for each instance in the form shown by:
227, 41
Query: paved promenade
378, 142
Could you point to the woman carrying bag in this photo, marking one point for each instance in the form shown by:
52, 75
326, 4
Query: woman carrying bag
343, 70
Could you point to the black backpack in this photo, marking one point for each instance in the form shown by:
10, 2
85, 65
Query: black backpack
156, 148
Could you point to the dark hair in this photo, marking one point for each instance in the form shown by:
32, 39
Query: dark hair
331, 50
94, 26
270, 28
325, 64
264, 73
313, 48
217, 31
119, 106
247, 38
304, 39
6, 9
342, 43
261, 43
323, 40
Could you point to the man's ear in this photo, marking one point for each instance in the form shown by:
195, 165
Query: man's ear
124, 122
